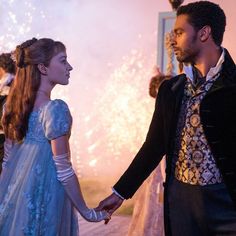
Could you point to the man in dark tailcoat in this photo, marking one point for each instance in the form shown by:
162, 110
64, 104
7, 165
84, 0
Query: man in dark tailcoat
194, 125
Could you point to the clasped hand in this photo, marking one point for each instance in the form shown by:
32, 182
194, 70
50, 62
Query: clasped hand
110, 204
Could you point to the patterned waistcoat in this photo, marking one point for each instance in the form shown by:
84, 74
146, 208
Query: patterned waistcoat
194, 162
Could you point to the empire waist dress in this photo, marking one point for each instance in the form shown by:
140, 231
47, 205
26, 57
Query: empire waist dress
32, 200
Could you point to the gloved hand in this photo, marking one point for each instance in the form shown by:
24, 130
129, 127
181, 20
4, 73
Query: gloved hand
66, 175
94, 216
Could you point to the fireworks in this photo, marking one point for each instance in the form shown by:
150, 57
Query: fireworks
109, 135
15, 23
120, 117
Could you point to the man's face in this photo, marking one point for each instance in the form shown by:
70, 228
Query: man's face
185, 41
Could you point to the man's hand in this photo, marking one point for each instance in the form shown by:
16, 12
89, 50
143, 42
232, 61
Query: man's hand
110, 204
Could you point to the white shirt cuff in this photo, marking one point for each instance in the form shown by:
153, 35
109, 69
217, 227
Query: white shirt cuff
116, 193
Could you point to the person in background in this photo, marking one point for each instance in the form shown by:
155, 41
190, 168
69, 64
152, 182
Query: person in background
7, 73
39, 188
147, 217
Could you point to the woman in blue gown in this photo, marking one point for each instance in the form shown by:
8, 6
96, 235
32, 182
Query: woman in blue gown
38, 187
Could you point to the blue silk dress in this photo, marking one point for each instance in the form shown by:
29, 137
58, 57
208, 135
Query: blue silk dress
32, 200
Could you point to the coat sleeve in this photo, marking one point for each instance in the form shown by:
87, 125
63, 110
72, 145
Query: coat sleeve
150, 154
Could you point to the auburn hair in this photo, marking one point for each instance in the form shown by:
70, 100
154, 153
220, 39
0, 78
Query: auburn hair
22, 95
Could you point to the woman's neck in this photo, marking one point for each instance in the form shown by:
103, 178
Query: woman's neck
43, 93
42, 97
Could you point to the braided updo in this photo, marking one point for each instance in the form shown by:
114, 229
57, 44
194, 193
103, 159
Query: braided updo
20, 52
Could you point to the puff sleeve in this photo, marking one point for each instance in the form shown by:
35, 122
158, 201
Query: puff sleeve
57, 119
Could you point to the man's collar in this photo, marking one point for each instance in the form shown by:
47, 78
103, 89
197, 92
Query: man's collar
188, 68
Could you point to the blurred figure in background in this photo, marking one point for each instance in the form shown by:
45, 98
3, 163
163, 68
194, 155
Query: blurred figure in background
7, 73
147, 218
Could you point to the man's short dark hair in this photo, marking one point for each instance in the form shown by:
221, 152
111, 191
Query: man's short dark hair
7, 64
204, 13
